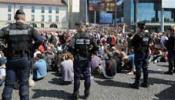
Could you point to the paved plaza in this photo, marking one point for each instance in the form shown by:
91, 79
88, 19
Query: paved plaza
162, 87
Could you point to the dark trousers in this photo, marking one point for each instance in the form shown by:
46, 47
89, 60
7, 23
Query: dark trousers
17, 69
171, 60
141, 64
81, 68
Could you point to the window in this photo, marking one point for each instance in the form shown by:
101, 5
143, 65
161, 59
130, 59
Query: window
57, 18
32, 18
57, 10
50, 9
9, 8
21, 7
42, 18
34, 24
53, 25
42, 9
42, 25
33, 9
9, 17
50, 18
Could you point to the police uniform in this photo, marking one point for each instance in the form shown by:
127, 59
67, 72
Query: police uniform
18, 37
140, 43
83, 45
170, 45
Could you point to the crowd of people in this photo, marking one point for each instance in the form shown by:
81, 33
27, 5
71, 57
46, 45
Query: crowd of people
113, 44
114, 55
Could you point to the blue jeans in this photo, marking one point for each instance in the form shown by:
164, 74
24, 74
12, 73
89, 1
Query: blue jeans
17, 69
131, 60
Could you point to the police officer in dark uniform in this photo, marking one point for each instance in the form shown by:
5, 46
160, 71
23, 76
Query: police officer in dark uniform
18, 38
83, 46
140, 43
170, 45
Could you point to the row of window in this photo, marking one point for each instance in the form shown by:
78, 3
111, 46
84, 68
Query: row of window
33, 9
42, 18
53, 25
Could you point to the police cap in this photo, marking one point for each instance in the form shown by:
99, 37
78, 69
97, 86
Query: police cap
20, 12
141, 25
79, 24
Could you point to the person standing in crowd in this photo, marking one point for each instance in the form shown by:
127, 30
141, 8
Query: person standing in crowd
140, 43
82, 46
170, 45
18, 38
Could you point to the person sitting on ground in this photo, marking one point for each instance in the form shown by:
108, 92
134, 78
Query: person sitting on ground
128, 60
108, 65
3, 61
67, 69
95, 64
39, 68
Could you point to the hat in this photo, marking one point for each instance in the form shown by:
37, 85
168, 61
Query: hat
20, 12
141, 25
79, 24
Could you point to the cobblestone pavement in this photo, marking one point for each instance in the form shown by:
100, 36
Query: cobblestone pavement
162, 87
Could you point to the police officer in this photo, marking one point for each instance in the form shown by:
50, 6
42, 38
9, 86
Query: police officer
83, 46
18, 38
140, 44
170, 45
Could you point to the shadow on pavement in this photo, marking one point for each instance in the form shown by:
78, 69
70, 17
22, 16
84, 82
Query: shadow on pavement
59, 94
168, 94
153, 81
156, 72
112, 83
58, 81
163, 65
56, 74
54, 81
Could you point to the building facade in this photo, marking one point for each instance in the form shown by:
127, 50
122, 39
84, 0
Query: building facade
39, 13
150, 12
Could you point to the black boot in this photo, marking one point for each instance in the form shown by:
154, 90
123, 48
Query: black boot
134, 85
174, 71
145, 79
144, 84
86, 94
75, 95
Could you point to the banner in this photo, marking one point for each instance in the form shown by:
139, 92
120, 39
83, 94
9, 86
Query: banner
105, 18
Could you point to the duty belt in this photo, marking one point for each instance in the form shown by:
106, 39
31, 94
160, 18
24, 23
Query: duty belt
20, 53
